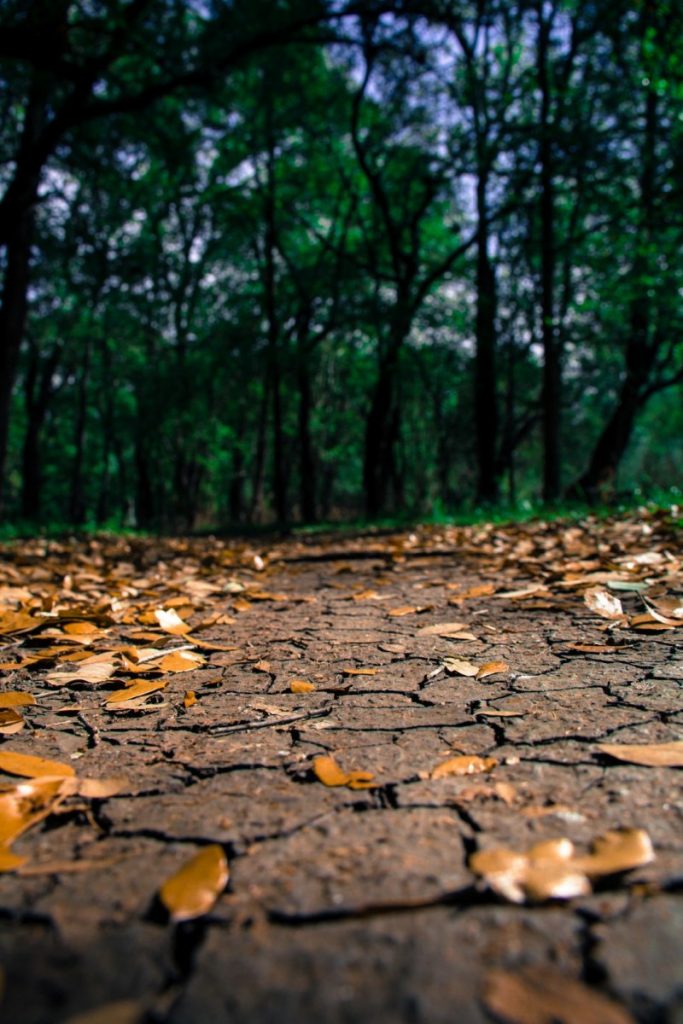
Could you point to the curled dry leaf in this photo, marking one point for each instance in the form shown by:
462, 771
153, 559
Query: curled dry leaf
141, 689
11, 722
654, 755
189, 699
464, 764
301, 686
32, 767
170, 621
603, 603
492, 668
456, 666
542, 995
194, 889
16, 699
329, 773
360, 671
88, 672
26, 804
551, 869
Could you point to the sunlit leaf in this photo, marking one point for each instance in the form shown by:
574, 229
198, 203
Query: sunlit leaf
181, 661
141, 689
170, 622
301, 686
189, 699
603, 603
456, 666
16, 699
193, 890
93, 672
11, 722
464, 764
32, 767
492, 668
330, 774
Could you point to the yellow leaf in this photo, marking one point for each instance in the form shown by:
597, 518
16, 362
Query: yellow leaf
16, 699
32, 767
329, 773
140, 689
301, 686
25, 805
194, 889
181, 661
189, 699
464, 764
360, 671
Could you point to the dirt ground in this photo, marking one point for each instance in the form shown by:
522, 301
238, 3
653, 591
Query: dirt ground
347, 904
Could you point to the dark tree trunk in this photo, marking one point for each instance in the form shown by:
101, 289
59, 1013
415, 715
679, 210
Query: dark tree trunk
485, 399
307, 481
77, 496
37, 395
552, 356
642, 345
381, 431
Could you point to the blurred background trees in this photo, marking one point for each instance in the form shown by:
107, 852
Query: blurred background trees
309, 260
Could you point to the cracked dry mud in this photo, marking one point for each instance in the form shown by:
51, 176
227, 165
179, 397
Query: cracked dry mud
358, 905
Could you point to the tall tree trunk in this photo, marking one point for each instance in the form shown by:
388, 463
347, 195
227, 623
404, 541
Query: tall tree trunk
485, 399
552, 356
17, 236
307, 481
77, 496
641, 346
37, 395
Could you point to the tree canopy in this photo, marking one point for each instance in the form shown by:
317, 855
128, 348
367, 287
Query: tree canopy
309, 259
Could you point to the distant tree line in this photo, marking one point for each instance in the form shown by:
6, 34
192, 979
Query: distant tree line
310, 259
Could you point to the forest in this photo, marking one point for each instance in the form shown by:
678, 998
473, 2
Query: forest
310, 260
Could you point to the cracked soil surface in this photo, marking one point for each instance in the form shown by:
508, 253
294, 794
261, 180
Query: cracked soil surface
348, 905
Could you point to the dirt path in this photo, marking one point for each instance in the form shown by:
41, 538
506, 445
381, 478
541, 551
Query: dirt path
348, 904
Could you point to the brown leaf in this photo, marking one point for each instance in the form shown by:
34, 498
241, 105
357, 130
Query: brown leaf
11, 722
492, 668
330, 774
464, 764
32, 767
193, 890
458, 630
655, 755
621, 850
542, 995
19, 622
141, 689
27, 804
359, 671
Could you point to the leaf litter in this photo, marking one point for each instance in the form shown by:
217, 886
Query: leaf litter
176, 598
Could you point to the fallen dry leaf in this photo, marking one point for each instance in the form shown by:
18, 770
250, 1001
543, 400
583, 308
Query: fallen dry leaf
11, 722
16, 699
456, 630
552, 870
32, 767
95, 672
492, 668
537, 994
189, 699
193, 890
655, 755
170, 622
603, 603
301, 686
181, 661
359, 671
141, 689
464, 764
330, 774
456, 666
